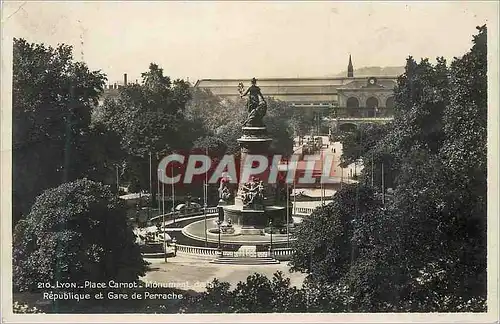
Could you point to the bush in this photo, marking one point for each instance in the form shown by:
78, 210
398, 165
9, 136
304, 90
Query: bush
75, 232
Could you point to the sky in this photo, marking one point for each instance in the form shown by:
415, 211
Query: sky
241, 39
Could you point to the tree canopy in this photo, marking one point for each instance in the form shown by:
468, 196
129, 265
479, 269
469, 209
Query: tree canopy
425, 248
53, 99
75, 232
257, 294
148, 117
222, 118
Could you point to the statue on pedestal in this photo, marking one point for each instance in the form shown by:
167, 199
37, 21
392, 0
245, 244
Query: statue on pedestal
224, 192
256, 104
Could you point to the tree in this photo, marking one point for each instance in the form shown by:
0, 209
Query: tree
148, 118
75, 232
257, 294
105, 154
53, 99
441, 185
359, 143
323, 246
217, 299
301, 122
425, 248
278, 122
223, 119
214, 145
213, 111
464, 169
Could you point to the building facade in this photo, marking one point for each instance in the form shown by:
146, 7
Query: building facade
333, 101
338, 97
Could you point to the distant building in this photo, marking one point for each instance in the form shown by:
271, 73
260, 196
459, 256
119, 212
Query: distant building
336, 97
111, 89
346, 100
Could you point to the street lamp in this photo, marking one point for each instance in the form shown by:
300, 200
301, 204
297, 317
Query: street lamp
287, 212
219, 222
271, 229
165, 245
173, 193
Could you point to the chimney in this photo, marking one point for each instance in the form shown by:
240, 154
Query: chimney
350, 69
125, 79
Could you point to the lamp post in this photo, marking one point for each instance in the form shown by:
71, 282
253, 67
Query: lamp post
341, 176
383, 185
205, 194
271, 229
163, 212
287, 214
219, 222
173, 193
165, 245
162, 196
117, 182
372, 169
150, 187
205, 200
158, 193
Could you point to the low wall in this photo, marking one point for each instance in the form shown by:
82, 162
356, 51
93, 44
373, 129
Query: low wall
169, 216
196, 251
302, 211
282, 254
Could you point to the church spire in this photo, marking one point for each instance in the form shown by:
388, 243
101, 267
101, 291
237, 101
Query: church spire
350, 69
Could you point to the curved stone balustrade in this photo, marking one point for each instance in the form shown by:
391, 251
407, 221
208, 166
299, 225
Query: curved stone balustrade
213, 210
205, 252
210, 210
196, 250
303, 210
365, 118
278, 253
282, 252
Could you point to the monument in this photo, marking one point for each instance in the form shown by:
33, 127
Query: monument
254, 202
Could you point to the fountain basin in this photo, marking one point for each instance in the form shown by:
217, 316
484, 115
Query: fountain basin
254, 219
196, 231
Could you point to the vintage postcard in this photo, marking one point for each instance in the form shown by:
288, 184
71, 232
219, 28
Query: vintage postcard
260, 161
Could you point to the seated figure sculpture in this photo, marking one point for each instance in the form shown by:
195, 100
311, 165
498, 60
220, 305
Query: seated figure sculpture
253, 194
224, 192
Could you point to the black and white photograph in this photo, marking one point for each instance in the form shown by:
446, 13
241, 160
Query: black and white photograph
249, 161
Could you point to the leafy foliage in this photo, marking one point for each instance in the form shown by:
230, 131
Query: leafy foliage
53, 99
148, 117
257, 295
425, 250
75, 232
328, 256
301, 122
359, 143
222, 119
19, 308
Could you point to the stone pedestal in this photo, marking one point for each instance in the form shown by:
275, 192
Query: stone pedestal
252, 219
